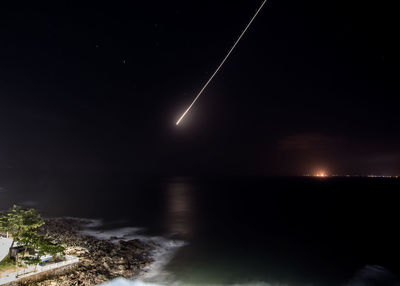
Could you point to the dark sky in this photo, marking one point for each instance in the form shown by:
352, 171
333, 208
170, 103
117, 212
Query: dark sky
314, 84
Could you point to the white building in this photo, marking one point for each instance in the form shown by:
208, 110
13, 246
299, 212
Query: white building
5, 244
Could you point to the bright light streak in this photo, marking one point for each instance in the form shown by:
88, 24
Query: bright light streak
223, 61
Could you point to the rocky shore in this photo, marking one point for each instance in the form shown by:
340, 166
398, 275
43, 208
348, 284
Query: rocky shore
100, 260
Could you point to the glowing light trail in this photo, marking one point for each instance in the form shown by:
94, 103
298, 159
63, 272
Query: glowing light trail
223, 61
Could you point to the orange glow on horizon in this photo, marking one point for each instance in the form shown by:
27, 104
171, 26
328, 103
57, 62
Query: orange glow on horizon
321, 174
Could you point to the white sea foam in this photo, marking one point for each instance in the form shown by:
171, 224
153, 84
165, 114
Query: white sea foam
162, 256
115, 235
91, 223
125, 282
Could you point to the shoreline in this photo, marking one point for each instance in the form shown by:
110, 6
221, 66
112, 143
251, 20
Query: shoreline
101, 260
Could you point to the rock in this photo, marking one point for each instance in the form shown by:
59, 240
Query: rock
106, 266
76, 250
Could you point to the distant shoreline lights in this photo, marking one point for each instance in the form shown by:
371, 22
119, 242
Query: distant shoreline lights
324, 175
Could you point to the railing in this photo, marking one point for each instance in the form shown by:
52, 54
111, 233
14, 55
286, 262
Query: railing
34, 270
68, 261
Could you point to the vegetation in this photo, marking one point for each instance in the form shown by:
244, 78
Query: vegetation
44, 246
7, 264
22, 224
19, 222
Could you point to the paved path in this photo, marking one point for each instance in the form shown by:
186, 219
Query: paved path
32, 270
5, 244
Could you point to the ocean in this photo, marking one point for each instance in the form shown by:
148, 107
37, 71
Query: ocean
225, 230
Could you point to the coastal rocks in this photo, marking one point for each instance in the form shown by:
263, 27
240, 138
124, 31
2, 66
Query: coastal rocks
76, 251
100, 260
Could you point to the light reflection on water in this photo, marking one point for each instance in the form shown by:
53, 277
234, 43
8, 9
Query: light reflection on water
180, 211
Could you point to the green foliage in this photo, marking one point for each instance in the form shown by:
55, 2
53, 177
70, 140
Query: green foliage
45, 246
30, 260
41, 245
20, 222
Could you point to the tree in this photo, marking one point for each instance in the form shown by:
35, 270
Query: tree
46, 246
18, 221
41, 245
21, 223
30, 260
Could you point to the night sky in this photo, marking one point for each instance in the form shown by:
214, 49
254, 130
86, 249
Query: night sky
93, 87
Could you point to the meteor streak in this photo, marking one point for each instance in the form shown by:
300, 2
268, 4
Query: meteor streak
223, 61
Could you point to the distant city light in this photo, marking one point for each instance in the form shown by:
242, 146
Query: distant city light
321, 174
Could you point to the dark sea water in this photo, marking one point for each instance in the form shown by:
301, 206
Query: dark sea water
238, 230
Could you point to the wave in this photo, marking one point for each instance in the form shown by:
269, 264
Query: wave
162, 256
114, 235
